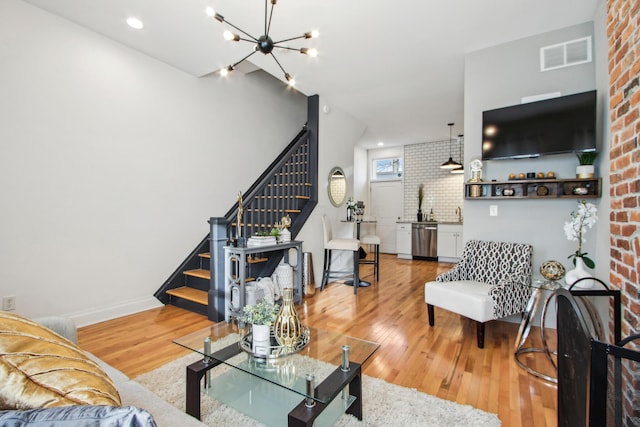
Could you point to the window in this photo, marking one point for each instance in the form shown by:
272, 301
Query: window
387, 169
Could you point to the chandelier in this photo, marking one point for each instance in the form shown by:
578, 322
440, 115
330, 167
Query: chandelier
264, 43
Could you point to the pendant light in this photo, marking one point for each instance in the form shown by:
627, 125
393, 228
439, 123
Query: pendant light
459, 169
450, 164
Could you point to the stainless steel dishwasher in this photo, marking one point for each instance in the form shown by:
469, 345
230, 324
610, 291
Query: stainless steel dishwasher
424, 240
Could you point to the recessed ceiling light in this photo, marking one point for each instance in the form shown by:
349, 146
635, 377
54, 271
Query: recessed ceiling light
135, 23
380, 144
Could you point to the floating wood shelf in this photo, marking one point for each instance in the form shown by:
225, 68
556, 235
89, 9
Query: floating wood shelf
577, 188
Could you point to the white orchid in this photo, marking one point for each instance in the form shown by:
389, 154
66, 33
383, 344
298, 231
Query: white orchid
581, 220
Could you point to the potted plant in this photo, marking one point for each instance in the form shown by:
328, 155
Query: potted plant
420, 200
582, 219
586, 168
261, 316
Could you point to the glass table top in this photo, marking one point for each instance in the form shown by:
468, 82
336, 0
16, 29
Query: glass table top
321, 356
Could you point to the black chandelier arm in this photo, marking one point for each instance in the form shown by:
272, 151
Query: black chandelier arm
278, 62
286, 47
246, 57
267, 26
292, 38
253, 39
247, 40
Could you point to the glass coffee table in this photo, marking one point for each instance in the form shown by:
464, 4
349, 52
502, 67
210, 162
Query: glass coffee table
311, 387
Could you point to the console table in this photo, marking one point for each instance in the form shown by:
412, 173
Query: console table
237, 262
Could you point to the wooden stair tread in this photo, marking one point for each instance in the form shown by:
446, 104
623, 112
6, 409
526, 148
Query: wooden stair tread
190, 294
205, 255
198, 272
292, 210
254, 260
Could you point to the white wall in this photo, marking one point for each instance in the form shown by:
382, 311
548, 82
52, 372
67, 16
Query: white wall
111, 163
501, 76
338, 134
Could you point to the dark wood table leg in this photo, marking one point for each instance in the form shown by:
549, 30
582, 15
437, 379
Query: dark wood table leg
355, 390
197, 370
328, 390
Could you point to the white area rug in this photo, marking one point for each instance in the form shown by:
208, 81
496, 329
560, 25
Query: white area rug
384, 404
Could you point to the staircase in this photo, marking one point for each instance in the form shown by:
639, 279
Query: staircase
289, 186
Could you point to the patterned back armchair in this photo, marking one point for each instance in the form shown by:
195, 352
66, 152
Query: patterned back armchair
491, 281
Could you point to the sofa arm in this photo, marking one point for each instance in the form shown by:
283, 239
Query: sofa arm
60, 325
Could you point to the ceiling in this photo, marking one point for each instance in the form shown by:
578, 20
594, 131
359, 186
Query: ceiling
396, 66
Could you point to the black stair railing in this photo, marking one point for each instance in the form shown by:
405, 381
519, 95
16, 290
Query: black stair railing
283, 190
287, 187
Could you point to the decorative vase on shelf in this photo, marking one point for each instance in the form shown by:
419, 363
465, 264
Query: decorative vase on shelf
287, 328
585, 171
285, 235
420, 216
577, 273
349, 214
261, 339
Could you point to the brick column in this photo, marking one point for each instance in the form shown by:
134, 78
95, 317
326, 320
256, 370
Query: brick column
623, 33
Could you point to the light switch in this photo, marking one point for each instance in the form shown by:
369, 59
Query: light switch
493, 210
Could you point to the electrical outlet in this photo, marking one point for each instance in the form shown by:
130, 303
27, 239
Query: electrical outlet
493, 210
9, 303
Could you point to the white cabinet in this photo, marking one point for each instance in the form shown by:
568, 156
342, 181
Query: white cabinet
403, 240
450, 243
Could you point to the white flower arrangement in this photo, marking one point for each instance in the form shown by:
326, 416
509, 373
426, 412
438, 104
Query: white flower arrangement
351, 204
581, 219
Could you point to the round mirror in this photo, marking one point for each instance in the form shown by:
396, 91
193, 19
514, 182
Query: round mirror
337, 187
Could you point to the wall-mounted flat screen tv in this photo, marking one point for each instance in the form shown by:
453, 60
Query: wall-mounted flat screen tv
564, 124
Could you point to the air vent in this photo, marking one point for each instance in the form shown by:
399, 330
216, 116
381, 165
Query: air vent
565, 54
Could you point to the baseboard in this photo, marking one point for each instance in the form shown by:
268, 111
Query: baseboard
100, 314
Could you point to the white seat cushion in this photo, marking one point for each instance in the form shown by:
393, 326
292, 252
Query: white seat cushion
466, 297
343, 244
370, 239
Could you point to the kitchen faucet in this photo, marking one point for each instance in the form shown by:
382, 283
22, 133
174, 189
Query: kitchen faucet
459, 213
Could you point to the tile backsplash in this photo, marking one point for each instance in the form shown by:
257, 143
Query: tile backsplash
443, 191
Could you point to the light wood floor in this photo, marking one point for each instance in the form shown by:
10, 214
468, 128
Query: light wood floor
443, 361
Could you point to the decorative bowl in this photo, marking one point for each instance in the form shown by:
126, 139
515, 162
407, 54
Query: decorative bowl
552, 270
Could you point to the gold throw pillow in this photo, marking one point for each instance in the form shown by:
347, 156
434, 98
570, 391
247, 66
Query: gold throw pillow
41, 369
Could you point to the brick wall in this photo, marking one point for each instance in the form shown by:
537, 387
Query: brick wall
623, 33
443, 191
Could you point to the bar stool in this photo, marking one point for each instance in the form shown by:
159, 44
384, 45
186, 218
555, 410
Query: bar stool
331, 244
373, 240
